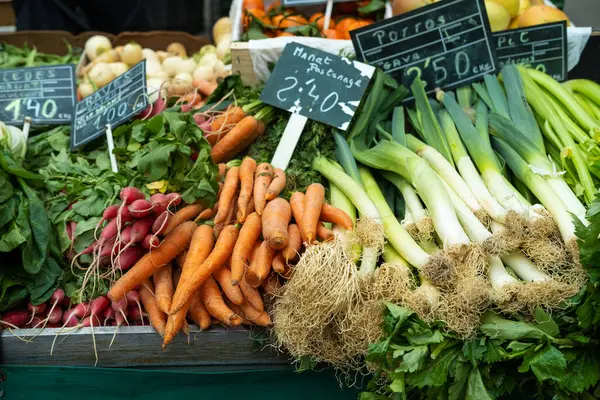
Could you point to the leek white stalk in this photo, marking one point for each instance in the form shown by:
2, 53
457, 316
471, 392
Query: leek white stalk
446, 171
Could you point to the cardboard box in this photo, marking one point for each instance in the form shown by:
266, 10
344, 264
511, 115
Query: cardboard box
7, 14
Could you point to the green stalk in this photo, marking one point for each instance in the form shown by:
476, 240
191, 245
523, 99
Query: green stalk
410, 196
483, 94
563, 96
394, 231
398, 131
497, 95
396, 158
465, 96
468, 171
585, 87
540, 189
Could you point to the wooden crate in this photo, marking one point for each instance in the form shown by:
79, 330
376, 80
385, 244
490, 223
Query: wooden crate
241, 63
139, 347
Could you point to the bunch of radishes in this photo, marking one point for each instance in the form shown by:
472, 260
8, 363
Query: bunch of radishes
60, 312
131, 228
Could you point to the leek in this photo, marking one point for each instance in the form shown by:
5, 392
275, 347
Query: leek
586, 87
497, 96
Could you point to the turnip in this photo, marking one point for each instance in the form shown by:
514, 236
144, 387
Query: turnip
178, 87
154, 87
153, 68
219, 68
162, 55
140, 208
85, 89
96, 45
132, 54
14, 319
224, 48
118, 68
203, 73
185, 77
208, 59
186, 66
150, 55
171, 65
109, 56
119, 51
101, 74
177, 49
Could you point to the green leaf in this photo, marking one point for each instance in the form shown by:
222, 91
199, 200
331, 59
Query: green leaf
413, 360
545, 322
7, 187
12, 292
91, 205
398, 385
497, 327
518, 346
476, 389
155, 164
583, 372
426, 337
18, 230
436, 374
8, 210
400, 313
474, 349
42, 285
494, 351
460, 373
546, 363
36, 249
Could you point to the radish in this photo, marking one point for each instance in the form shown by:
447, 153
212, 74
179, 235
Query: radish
53, 325
14, 319
133, 298
107, 248
54, 316
150, 242
130, 194
140, 208
160, 202
70, 318
136, 314
160, 223
34, 323
40, 308
140, 229
129, 257
126, 235
120, 318
174, 198
99, 305
87, 323
108, 315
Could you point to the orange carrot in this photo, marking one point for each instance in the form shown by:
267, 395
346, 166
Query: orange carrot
205, 87
252, 295
204, 215
215, 305
230, 186
247, 170
187, 213
294, 243
277, 184
163, 287
261, 128
222, 171
271, 285
240, 137
201, 246
198, 312
249, 234
251, 314
233, 293
262, 179
313, 201
334, 215
224, 123
279, 264
297, 205
262, 267
157, 319
275, 221
171, 246
180, 262
217, 258
324, 234
174, 324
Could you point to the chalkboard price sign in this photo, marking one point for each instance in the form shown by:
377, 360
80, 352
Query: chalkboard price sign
293, 3
446, 44
317, 85
112, 104
44, 94
543, 47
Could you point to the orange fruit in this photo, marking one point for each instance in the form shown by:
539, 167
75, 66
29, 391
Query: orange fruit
333, 34
257, 4
284, 33
287, 21
344, 24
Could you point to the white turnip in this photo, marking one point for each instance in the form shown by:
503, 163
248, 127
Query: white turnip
97, 45
132, 54
101, 74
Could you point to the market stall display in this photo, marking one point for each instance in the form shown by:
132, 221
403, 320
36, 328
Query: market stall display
438, 235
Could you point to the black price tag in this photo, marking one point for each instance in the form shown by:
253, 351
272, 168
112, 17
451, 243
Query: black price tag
446, 44
543, 47
292, 3
318, 85
113, 104
47, 95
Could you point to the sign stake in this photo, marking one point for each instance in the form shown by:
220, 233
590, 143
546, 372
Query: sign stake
288, 141
328, 12
26, 126
111, 147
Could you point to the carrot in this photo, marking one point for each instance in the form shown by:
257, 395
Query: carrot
174, 244
232, 212
198, 312
204, 215
174, 324
233, 293
277, 184
205, 87
229, 189
217, 258
262, 266
180, 259
201, 246
163, 287
252, 295
249, 234
297, 205
313, 201
261, 128
187, 213
240, 137
222, 171
324, 234
157, 318
291, 251
262, 179
275, 221
251, 314
334, 215
271, 285
215, 305
224, 123
279, 263
247, 170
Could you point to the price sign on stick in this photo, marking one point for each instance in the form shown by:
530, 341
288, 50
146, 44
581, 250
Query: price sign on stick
446, 44
46, 95
111, 105
543, 47
314, 84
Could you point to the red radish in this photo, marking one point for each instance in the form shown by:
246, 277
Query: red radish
129, 257
194, 156
53, 326
120, 318
40, 308
140, 208
108, 315
35, 322
126, 235
135, 314
160, 202
174, 198
133, 298
87, 322
150, 242
130, 194
107, 248
85, 306
66, 302
90, 249
54, 316
120, 308
114, 323
70, 231
99, 305
69, 318
14, 319
160, 223
110, 212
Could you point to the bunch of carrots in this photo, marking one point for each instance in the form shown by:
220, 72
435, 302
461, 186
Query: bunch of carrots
230, 255
277, 21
